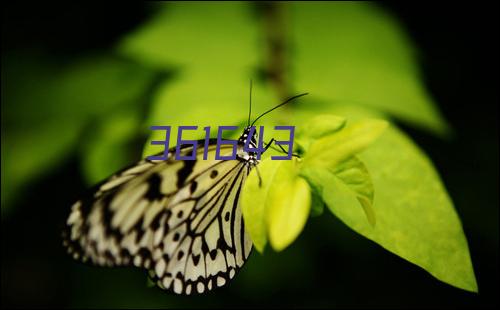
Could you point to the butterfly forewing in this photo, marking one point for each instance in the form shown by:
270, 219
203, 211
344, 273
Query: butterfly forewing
181, 220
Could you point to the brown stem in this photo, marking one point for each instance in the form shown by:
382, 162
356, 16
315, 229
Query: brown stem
275, 33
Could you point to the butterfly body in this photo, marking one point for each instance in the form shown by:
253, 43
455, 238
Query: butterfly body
250, 139
180, 220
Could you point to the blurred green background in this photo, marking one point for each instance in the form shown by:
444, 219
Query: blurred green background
82, 83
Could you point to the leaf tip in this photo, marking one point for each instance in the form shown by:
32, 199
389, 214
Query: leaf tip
260, 247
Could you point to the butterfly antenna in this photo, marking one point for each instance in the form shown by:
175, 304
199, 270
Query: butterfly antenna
279, 105
250, 109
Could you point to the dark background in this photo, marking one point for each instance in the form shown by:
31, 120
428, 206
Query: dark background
458, 46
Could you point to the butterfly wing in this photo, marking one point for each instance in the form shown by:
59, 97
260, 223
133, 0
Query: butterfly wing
179, 219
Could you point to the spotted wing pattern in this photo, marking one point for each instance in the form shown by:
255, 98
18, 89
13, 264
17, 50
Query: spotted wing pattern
181, 220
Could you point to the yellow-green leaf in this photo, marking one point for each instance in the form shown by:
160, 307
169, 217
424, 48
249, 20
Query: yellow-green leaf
321, 125
254, 200
330, 150
353, 173
317, 127
415, 216
356, 52
278, 208
288, 206
212, 81
107, 148
67, 99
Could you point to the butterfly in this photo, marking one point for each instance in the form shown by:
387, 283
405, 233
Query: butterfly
179, 219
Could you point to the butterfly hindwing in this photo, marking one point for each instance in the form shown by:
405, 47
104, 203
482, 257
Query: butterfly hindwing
179, 219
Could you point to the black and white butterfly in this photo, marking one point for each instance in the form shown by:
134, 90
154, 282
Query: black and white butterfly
180, 220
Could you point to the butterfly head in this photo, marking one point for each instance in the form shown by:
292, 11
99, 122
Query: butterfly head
249, 137
245, 137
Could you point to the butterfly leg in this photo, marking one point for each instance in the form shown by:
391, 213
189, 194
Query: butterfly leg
268, 144
293, 154
282, 149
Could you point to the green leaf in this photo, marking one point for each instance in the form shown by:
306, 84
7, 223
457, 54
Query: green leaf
321, 125
107, 148
317, 127
214, 63
288, 205
254, 201
415, 217
187, 35
330, 150
353, 174
278, 208
27, 154
49, 107
357, 53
